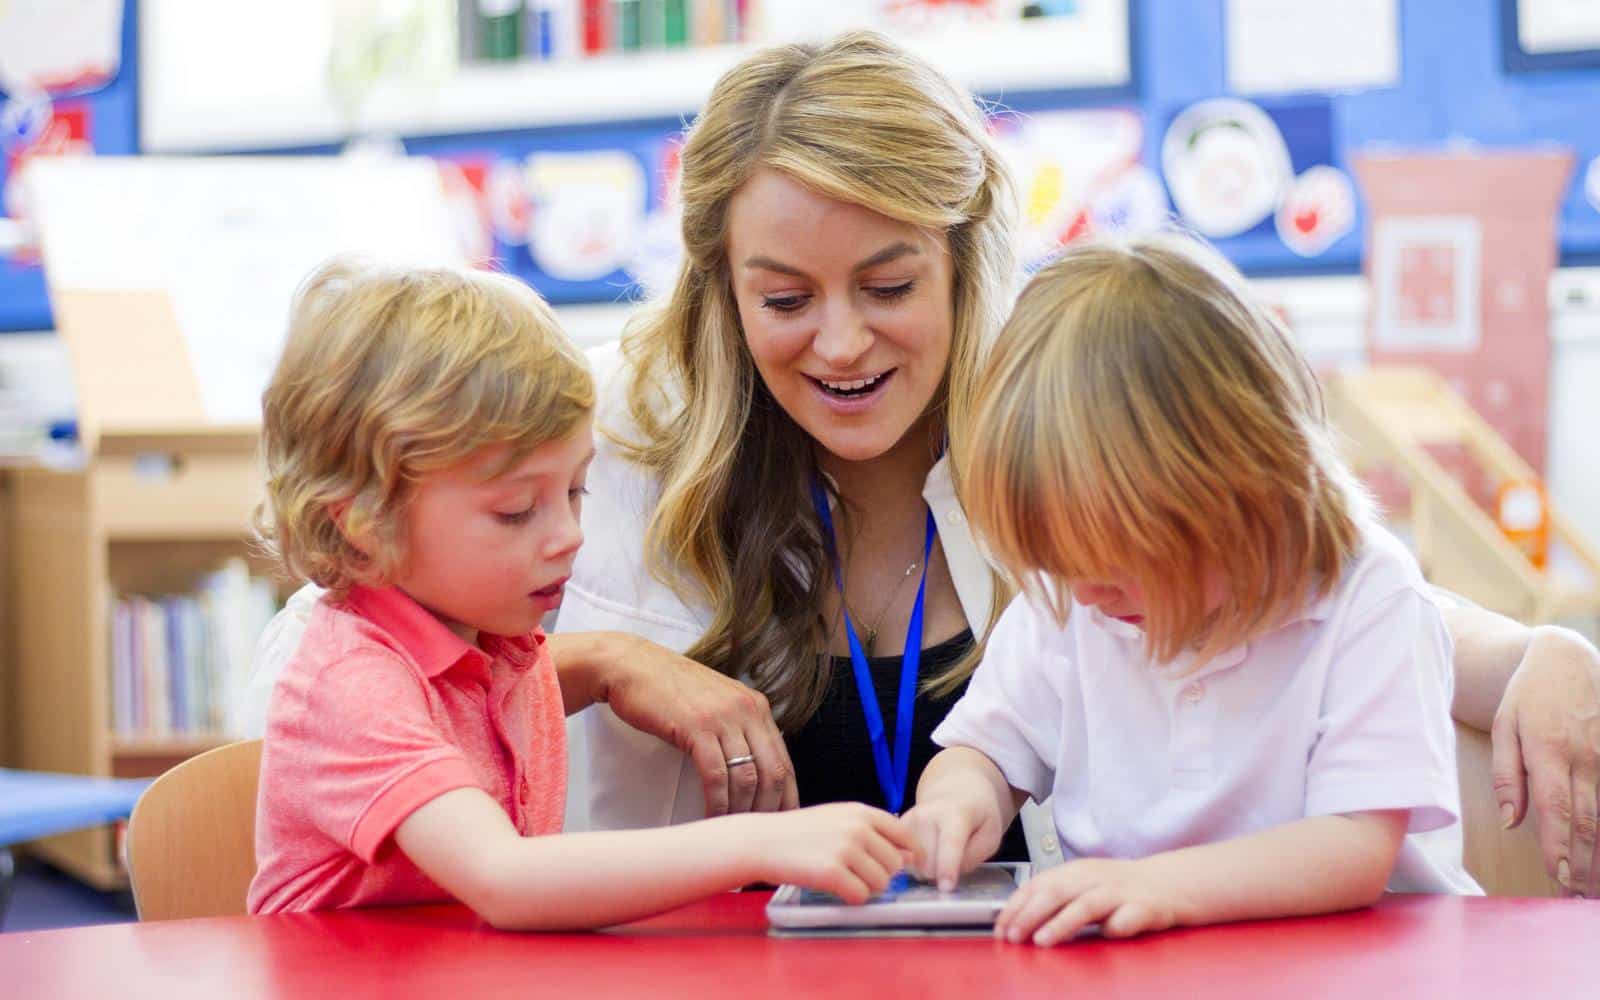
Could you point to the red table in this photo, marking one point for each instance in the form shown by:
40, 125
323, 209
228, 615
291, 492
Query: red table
1405, 947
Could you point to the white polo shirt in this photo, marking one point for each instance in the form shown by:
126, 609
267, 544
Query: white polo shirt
1345, 708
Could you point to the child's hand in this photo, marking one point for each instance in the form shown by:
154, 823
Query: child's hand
846, 848
953, 836
1124, 897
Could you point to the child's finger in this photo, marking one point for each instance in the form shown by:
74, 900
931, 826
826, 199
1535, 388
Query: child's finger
1092, 906
1044, 903
843, 882
872, 871
1128, 919
897, 830
886, 853
952, 845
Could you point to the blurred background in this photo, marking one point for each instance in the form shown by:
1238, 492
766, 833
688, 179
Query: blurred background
1414, 184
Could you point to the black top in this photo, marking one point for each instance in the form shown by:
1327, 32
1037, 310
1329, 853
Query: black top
831, 753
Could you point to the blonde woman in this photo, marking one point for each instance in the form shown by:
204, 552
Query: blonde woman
848, 254
1200, 567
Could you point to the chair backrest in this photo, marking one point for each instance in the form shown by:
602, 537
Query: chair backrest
1505, 862
191, 839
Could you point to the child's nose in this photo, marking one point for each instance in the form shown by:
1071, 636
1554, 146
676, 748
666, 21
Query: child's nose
1092, 594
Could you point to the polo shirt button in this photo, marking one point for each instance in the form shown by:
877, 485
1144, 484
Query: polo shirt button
1048, 843
955, 516
1194, 691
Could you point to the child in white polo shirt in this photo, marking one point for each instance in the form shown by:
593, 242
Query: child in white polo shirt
1230, 683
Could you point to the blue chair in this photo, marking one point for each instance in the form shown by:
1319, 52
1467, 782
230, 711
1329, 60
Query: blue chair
37, 804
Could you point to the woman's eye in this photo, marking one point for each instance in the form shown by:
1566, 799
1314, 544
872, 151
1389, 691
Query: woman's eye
889, 293
783, 303
516, 517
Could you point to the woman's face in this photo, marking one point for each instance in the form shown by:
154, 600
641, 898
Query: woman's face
847, 313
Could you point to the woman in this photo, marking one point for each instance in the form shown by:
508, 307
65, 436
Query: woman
848, 231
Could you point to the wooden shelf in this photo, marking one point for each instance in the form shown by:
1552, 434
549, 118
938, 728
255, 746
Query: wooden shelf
185, 746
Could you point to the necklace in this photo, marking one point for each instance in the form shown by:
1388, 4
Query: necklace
871, 637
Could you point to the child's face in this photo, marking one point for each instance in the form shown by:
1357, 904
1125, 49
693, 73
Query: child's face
492, 554
1123, 599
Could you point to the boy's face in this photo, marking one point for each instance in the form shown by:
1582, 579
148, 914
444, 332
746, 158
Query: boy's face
491, 553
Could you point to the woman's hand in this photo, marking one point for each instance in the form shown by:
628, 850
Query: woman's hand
1546, 738
711, 718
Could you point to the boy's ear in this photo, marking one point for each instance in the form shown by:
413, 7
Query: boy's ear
350, 529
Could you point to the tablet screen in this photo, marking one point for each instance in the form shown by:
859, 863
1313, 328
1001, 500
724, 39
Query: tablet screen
986, 883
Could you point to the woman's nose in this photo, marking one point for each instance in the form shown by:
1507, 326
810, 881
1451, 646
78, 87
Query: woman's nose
842, 338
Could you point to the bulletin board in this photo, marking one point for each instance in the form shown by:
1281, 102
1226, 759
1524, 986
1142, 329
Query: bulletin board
93, 115
1441, 77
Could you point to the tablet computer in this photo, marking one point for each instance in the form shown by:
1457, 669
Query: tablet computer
907, 904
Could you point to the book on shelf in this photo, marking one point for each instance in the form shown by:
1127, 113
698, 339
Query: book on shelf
177, 660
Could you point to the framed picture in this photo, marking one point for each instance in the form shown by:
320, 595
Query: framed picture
1549, 34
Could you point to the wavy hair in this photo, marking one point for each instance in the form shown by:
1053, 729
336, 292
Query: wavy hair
861, 121
388, 375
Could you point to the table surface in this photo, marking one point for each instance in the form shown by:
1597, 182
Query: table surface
1407, 946
39, 803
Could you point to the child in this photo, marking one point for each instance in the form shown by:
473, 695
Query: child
1229, 681
427, 435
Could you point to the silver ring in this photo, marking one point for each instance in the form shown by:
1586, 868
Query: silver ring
744, 759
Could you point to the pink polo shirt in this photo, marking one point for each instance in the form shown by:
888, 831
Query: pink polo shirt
381, 709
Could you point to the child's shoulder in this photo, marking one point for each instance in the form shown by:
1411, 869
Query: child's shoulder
1382, 570
338, 635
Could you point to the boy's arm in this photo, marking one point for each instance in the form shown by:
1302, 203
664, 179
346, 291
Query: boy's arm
964, 806
464, 841
1315, 865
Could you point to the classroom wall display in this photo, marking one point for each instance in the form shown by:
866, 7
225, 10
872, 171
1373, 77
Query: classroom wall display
1459, 259
63, 92
1549, 34
1452, 88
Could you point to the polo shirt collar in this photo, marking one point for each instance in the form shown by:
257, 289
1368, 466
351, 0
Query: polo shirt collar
418, 630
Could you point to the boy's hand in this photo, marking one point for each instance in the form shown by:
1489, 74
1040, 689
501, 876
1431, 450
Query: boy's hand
846, 848
952, 836
1124, 897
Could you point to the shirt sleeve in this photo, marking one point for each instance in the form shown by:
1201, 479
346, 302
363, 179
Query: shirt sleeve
1384, 735
1011, 712
368, 751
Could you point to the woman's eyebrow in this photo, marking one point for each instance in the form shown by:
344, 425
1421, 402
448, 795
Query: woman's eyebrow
892, 252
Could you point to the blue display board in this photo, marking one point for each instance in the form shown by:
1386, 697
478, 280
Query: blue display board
109, 119
1454, 88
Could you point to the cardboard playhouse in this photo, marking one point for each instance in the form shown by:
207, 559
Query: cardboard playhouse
170, 282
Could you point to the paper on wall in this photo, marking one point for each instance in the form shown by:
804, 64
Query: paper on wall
1277, 46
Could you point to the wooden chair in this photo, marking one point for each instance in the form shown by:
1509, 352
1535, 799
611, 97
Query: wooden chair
1505, 862
191, 840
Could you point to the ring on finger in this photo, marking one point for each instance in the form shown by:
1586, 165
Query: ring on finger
745, 758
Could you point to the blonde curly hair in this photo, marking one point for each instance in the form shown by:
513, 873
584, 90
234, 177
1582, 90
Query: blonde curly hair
387, 375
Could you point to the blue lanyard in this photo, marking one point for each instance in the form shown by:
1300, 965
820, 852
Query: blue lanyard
892, 771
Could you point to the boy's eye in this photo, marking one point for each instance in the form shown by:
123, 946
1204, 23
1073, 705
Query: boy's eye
577, 493
515, 517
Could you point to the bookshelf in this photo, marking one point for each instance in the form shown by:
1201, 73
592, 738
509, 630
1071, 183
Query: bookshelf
190, 92
80, 536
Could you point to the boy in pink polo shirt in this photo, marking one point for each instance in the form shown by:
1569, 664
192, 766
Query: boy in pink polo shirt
427, 434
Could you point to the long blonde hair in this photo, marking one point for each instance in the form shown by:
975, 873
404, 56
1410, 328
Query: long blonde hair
390, 374
861, 121
1143, 416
